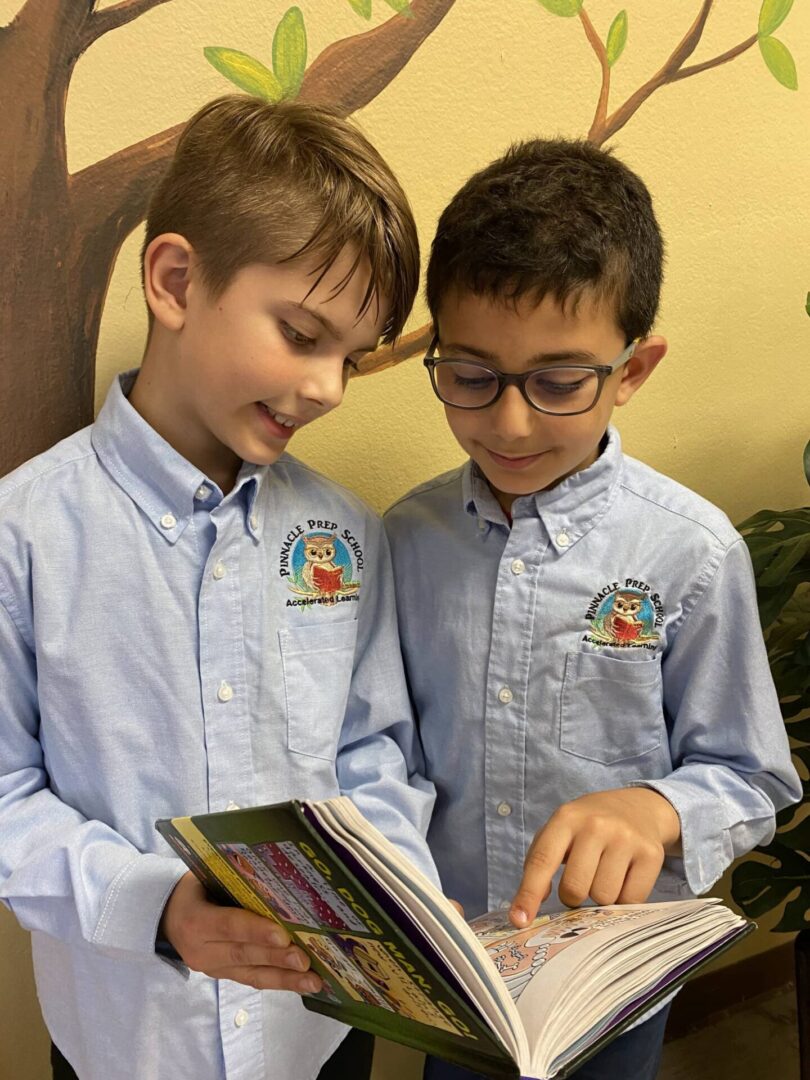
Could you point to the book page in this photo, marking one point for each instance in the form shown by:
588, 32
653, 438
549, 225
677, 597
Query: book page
435, 917
568, 971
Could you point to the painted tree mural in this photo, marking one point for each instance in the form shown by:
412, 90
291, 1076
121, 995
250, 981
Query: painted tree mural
605, 124
60, 232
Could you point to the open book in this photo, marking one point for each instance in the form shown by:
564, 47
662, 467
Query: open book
398, 960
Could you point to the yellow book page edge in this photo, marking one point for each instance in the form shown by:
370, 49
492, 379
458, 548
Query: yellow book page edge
221, 868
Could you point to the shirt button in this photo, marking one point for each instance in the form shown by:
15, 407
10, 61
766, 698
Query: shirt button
241, 1018
518, 566
254, 521
232, 806
168, 521
505, 695
563, 539
202, 492
504, 809
219, 571
225, 692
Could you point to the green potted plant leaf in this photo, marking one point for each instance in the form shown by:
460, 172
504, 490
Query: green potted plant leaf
779, 873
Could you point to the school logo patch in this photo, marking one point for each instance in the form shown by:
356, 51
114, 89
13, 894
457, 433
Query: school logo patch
627, 616
322, 564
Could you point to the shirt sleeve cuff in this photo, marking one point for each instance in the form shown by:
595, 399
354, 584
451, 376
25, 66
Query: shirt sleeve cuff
134, 905
705, 843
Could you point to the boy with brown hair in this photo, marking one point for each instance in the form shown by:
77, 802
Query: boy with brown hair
580, 632
162, 649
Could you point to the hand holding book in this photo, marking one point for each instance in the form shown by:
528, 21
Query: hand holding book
230, 943
397, 959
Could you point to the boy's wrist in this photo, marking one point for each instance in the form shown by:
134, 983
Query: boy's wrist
666, 817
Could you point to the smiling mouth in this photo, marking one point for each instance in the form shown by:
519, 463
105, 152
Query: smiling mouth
280, 418
513, 462
279, 425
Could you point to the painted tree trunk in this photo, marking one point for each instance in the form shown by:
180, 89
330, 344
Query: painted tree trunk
60, 233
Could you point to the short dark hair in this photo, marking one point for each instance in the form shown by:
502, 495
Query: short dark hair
252, 182
552, 217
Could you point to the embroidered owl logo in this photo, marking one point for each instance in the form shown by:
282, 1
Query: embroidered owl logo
622, 621
322, 568
625, 618
320, 572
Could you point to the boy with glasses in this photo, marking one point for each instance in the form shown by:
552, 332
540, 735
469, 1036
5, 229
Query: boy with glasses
580, 633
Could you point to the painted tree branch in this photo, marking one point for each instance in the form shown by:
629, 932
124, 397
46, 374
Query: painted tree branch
101, 22
723, 58
390, 355
602, 128
600, 114
347, 75
378, 56
116, 191
666, 74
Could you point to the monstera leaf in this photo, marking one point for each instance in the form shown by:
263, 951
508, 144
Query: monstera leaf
779, 542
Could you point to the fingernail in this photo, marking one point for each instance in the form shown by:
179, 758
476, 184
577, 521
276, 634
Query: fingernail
518, 916
277, 939
312, 984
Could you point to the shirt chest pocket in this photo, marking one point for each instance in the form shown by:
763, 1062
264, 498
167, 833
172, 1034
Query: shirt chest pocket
610, 710
317, 663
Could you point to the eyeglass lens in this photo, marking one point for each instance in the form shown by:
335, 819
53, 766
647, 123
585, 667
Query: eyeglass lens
557, 389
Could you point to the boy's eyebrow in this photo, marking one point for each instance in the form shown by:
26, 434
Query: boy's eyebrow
581, 356
329, 326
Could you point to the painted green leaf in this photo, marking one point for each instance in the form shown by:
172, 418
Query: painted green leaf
402, 7
245, 72
807, 448
617, 38
771, 15
362, 7
779, 62
290, 51
807, 304
566, 8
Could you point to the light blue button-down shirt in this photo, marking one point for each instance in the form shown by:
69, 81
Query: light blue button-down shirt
166, 651
610, 637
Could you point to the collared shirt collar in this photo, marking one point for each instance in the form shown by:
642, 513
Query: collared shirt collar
159, 480
568, 511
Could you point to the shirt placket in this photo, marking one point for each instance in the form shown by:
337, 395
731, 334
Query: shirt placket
505, 718
228, 745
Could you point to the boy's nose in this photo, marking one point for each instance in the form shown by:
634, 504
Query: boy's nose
325, 383
512, 417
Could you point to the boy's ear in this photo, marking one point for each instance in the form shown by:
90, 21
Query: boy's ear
648, 354
166, 272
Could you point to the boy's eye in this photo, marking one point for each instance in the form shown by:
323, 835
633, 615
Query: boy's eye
479, 382
295, 336
559, 385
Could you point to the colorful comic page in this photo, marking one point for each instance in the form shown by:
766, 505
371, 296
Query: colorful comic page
343, 969
397, 988
316, 898
263, 881
520, 954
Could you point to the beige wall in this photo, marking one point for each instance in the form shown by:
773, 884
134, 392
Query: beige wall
725, 154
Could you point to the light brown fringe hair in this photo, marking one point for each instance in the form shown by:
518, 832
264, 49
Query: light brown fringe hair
253, 182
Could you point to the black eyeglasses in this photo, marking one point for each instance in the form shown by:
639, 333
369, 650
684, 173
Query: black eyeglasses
559, 389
